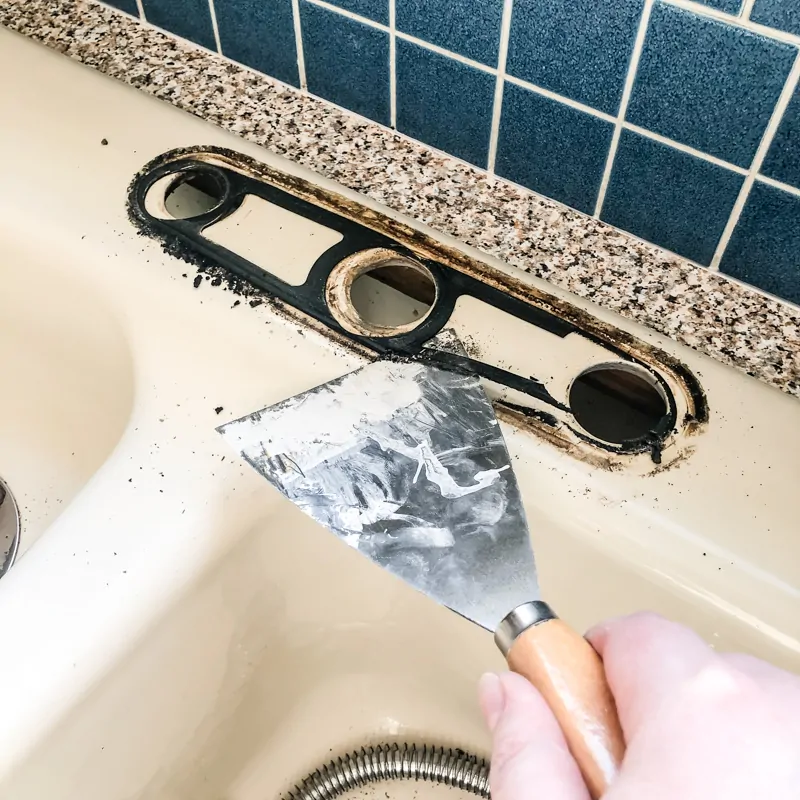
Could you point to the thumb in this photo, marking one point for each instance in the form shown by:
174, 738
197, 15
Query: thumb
530, 757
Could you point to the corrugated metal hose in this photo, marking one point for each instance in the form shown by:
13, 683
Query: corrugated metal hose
395, 762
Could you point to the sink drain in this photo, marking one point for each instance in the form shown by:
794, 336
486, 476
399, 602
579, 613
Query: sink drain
9, 528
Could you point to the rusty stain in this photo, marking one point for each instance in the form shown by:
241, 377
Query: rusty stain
427, 247
675, 463
556, 436
344, 275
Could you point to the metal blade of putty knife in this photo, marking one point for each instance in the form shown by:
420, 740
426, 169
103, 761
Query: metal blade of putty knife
407, 463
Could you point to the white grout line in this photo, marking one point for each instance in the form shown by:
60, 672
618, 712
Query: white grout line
497, 108
214, 25
404, 36
393, 63
350, 15
627, 89
758, 160
685, 148
434, 48
141, 10
560, 98
747, 9
298, 40
778, 185
739, 22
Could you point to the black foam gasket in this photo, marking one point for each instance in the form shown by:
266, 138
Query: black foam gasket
310, 297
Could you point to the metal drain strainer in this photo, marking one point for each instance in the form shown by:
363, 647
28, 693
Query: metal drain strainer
9, 527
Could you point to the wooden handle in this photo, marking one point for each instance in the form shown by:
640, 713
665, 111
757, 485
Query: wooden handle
567, 671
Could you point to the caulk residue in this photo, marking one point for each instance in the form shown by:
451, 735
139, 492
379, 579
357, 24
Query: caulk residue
407, 464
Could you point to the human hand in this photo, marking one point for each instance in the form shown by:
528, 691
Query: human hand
699, 725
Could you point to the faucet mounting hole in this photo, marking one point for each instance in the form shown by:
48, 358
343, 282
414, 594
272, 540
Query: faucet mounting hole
380, 293
618, 403
9, 528
193, 193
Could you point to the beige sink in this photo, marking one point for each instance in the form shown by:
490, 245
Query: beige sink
173, 628
67, 382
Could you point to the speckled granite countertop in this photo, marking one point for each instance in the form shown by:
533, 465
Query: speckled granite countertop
692, 305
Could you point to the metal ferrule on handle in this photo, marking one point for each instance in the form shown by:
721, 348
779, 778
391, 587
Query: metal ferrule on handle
519, 620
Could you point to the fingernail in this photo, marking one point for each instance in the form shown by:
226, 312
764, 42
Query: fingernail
603, 627
492, 698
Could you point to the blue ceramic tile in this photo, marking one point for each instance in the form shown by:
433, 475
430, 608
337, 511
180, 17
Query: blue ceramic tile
260, 35
728, 6
188, 18
468, 27
781, 14
346, 61
444, 103
783, 159
765, 247
552, 148
708, 84
377, 10
669, 197
578, 48
125, 5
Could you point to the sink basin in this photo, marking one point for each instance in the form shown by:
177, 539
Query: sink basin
249, 685
68, 384
174, 629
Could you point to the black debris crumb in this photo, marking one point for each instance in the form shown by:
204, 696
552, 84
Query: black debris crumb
104, 142
236, 303
255, 303
219, 409
197, 281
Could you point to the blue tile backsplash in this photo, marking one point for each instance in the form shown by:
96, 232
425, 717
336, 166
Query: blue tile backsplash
552, 148
273, 50
675, 120
377, 10
346, 62
443, 102
660, 194
764, 247
468, 27
126, 5
783, 159
578, 48
190, 19
781, 14
708, 84
728, 6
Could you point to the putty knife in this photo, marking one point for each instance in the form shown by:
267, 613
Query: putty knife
407, 463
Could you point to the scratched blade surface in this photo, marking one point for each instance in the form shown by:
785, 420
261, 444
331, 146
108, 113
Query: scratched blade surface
406, 463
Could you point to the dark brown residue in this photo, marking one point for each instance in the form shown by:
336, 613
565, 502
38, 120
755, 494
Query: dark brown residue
425, 247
